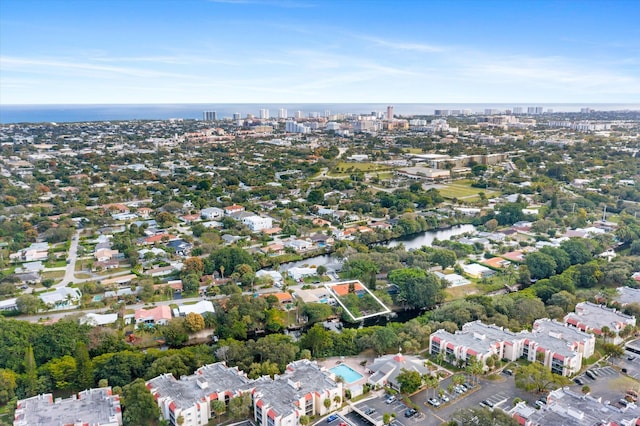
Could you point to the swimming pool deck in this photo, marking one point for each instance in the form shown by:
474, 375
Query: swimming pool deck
353, 363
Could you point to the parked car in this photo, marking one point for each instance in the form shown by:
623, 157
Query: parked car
410, 412
579, 381
487, 404
369, 411
391, 399
590, 375
332, 418
631, 358
540, 403
508, 372
434, 402
444, 398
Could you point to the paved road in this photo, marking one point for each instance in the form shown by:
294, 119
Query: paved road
46, 316
69, 276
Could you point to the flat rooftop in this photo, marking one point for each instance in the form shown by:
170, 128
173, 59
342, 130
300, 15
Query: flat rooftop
568, 408
628, 295
93, 406
301, 378
211, 378
597, 316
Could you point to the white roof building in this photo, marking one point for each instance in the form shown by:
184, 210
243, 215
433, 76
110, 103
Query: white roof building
197, 308
61, 298
99, 319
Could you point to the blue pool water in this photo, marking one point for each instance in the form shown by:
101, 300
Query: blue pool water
347, 373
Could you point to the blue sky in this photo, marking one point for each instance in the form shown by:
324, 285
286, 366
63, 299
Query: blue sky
218, 51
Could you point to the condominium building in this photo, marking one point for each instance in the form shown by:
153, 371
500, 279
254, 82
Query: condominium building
597, 318
558, 347
301, 390
280, 401
95, 407
190, 397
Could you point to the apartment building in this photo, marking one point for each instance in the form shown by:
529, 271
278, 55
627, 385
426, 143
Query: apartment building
591, 317
95, 407
280, 401
558, 347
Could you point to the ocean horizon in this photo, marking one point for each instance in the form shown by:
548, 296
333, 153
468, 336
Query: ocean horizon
122, 112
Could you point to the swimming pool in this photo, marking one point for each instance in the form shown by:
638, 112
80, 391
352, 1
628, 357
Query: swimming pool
347, 373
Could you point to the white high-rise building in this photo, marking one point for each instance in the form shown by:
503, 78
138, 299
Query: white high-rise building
282, 113
299, 115
264, 114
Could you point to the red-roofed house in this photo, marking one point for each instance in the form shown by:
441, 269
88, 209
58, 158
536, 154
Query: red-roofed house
233, 209
160, 315
344, 288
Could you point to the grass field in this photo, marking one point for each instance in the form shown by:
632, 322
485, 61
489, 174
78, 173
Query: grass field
56, 275
359, 167
459, 292
462, 189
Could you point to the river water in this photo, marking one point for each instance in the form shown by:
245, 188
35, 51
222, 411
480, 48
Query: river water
410, 242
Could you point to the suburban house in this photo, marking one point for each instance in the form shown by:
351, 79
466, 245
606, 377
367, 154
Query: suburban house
258, 223
233, 209
211, 213
160, 315
477, 271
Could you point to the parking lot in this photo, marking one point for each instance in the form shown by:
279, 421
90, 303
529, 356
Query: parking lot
498, 393
375, 408
609, 384
629, 361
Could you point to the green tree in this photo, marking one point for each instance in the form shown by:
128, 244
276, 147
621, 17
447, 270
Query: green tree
62, 372
239, 406
30, 378
317, 340
409, 380
138, 405
419, 289
84, 368
540, 265
8, 384
27, 304
175, 332
218, 407
577, 250
482, 417
535, 377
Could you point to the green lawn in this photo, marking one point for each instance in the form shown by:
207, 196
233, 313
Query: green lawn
462, 189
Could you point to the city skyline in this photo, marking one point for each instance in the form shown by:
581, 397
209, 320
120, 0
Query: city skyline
221, 51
